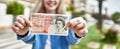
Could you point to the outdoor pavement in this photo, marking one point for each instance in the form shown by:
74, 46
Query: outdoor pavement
8, 41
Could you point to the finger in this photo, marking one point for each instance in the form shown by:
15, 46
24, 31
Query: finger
80, 19
15, 29
17, 24
79, 26
69, 24
74, 22
83, 21
21, 21
86, 30
28, 23
81, 32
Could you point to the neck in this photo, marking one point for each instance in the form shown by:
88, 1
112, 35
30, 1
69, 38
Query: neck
51, 11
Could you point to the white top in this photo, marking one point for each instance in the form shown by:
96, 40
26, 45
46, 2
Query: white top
48, 44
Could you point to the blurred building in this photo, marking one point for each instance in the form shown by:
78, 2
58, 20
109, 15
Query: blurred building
90, 8
7, 36
5, 19
78, 4
32, 1
68, 2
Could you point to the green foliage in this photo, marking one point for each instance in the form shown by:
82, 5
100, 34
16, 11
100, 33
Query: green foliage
116, 17
15, 8
118, 44
111, 37
93, 36
80, 13
70, 8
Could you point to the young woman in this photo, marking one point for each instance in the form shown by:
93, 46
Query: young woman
77, 26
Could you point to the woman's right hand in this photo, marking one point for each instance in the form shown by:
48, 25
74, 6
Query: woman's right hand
21, 25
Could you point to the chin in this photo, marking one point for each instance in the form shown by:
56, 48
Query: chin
52, 8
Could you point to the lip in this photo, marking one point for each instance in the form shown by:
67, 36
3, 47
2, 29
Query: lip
51, 4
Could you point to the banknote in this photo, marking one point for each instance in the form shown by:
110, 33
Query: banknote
49, 24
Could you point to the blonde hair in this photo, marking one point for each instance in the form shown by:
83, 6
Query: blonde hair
39, 8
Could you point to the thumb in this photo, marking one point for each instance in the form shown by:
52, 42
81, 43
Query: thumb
69, 24
27, 22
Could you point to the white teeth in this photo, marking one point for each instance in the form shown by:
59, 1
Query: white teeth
51, 3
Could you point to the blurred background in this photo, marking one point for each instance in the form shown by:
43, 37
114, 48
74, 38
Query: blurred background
102, 17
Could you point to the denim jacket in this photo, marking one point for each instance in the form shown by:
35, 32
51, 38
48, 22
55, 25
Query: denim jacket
57, 42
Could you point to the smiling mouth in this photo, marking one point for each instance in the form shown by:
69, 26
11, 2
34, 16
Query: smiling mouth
51, 4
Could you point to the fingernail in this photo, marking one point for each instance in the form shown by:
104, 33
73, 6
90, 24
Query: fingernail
31, 24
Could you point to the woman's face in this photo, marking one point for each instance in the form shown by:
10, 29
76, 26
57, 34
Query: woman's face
59, 24
51, 4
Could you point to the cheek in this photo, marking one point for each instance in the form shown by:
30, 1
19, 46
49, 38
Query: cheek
45, 3
58, 4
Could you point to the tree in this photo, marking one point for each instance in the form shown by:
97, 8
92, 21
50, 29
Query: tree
111, 35
15, 9
116, 17
100, 2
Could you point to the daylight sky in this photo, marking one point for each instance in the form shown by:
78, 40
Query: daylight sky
112, 5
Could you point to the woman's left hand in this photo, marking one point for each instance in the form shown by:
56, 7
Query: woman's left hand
78, 26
